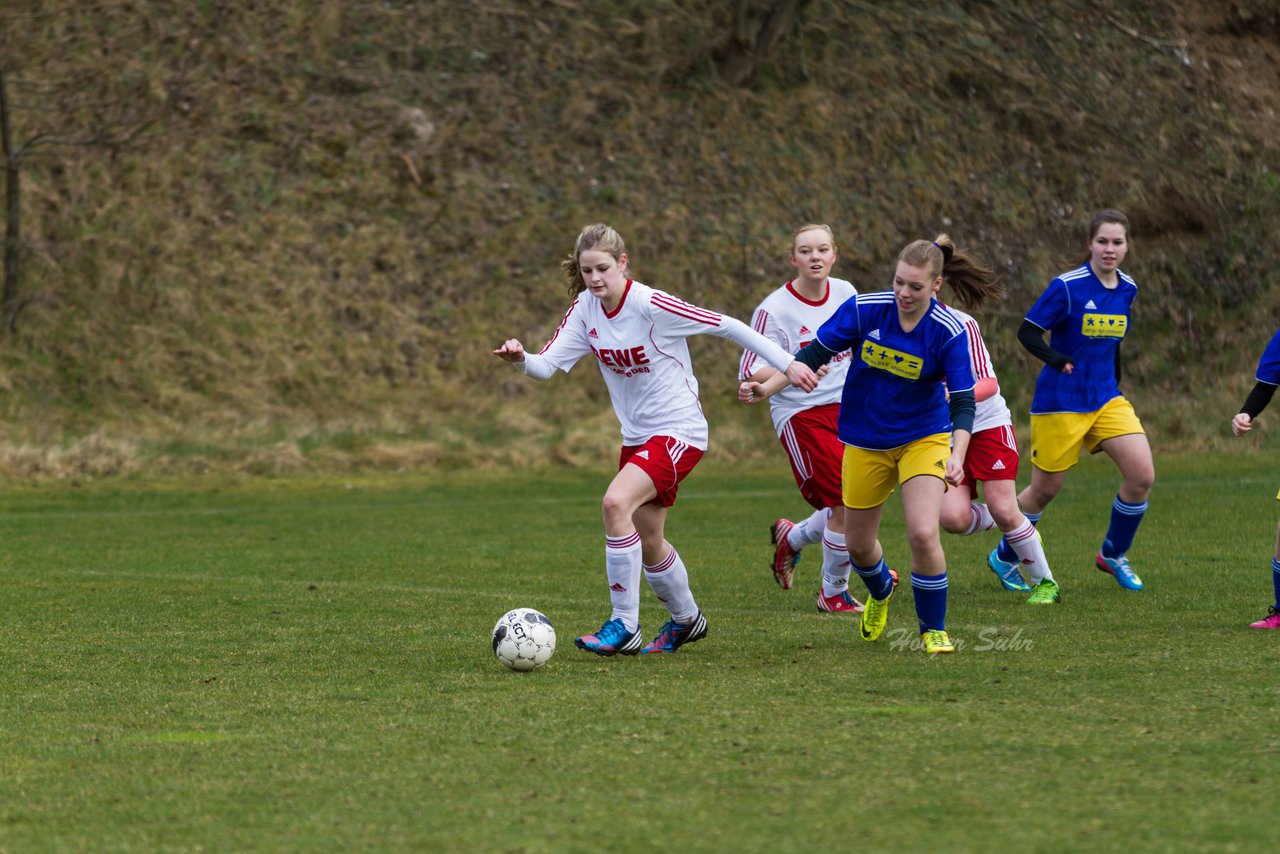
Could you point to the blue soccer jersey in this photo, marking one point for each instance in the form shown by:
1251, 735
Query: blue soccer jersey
1269, 364
894, 391
1086, 321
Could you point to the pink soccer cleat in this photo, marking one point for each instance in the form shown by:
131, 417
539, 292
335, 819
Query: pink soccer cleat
1271, 621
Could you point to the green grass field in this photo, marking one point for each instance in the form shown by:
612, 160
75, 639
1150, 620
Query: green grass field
305, 665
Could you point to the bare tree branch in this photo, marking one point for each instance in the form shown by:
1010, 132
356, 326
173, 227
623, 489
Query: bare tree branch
103, 139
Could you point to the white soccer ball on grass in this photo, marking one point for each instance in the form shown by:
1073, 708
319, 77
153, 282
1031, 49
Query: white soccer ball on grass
524, 639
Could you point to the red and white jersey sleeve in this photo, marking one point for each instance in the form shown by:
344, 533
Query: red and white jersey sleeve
992, 412
791, 321
643, 353
567, 345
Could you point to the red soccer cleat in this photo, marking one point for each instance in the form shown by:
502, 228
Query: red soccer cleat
785, 558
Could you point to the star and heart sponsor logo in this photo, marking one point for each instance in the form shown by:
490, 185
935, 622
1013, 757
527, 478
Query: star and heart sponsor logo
894, 361
1095, 325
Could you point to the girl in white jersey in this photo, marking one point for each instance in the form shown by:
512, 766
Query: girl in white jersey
637, 336
993, 461
807, 423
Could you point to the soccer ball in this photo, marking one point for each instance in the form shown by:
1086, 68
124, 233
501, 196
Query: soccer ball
524, 639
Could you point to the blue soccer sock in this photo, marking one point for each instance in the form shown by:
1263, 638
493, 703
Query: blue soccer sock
1125, 519
1004, 551
877, 578
1275, 579
931, 600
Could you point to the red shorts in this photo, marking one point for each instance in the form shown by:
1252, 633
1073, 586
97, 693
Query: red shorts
812, 442
993, 455
666, 460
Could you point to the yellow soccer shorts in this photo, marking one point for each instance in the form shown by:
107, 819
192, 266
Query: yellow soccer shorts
867, 478
1056, 438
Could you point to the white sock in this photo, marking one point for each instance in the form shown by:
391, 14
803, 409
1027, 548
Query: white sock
1031, 552
982, 520
622, 563
835, 565
670, 582
809, 531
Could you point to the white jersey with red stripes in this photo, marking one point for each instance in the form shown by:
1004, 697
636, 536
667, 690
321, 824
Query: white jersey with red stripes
790, 320
992, 412
643, 355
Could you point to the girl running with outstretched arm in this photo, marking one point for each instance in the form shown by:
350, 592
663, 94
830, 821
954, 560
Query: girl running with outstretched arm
637, 336
898, 427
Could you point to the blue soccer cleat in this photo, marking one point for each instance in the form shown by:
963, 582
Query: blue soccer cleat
674, 635
1119, 567
611, 639
1007, 572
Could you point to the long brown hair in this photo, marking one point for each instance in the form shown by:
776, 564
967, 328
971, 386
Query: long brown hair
972, 282
598, 237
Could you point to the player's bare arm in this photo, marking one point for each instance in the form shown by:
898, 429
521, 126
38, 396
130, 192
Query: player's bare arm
750, 392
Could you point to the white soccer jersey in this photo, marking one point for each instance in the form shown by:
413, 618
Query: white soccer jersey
790, 321
644, 358
992, 412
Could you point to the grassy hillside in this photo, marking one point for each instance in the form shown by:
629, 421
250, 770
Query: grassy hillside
336, 209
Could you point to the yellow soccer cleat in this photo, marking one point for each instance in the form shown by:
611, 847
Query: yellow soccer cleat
1044, 593
875, 614
937, 641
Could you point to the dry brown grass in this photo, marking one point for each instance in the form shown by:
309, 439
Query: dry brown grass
342, 207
